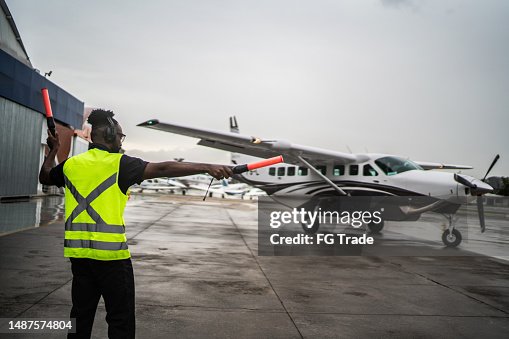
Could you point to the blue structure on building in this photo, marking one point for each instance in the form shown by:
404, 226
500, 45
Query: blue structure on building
22, 84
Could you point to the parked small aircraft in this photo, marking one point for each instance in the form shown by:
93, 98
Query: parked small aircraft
223, 187
161, 184
316, 172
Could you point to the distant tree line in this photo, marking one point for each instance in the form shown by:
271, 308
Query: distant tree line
499, 184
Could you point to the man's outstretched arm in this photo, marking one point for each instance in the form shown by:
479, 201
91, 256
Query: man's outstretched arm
179, 169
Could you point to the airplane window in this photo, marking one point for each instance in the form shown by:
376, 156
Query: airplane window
369, 171
303, 171
291, 171
272, 171
280, 171
338, 170
395, 165
354, 169
322, 169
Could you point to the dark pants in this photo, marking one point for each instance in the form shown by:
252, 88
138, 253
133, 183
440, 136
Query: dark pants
114, 281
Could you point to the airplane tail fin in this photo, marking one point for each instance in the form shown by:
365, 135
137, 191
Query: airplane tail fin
234, 127
238, 158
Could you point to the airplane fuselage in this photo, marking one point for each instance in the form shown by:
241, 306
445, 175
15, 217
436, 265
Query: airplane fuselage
371, 177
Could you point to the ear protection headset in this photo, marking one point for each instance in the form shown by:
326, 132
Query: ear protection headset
110, 133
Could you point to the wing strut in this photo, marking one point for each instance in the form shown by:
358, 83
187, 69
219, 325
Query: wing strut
333, 185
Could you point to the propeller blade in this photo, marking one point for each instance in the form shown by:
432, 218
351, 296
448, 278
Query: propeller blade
480, 211
491, 166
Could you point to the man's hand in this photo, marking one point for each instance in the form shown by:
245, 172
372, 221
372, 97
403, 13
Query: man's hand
53, 142
220, 171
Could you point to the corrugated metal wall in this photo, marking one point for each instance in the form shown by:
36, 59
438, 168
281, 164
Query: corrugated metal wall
20, 149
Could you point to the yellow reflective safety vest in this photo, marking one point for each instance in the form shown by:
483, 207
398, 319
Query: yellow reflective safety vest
94, 207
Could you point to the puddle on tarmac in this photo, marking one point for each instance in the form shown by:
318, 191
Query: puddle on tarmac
16, 216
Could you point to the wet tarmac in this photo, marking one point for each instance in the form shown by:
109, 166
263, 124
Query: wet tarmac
198, 275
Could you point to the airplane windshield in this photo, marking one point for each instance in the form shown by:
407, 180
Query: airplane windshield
394, 165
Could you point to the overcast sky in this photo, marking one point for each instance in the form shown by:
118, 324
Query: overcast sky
424, 79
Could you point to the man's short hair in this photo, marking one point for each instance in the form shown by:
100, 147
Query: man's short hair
98, 118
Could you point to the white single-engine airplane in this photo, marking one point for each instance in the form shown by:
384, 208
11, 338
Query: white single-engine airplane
316, 172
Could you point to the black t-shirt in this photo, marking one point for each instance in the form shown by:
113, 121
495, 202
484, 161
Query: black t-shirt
130, 171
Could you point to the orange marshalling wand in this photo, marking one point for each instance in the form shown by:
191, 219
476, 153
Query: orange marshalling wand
249, 167
254, 165
49, 113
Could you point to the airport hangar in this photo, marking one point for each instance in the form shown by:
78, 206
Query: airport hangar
22, 118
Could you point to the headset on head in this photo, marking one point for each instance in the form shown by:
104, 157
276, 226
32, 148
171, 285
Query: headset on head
110, 133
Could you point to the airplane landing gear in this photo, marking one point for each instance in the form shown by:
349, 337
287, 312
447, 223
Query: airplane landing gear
451, 236
310, 230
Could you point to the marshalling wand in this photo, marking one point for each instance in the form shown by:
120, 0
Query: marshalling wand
249, 167
49, 113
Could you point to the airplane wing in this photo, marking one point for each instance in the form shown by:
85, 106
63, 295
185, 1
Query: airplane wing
436, 165
238, 143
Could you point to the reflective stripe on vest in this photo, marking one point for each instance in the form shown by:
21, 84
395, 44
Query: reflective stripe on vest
94, 225
104, 228
98, 245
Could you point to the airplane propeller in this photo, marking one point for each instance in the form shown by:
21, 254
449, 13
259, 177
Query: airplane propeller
480, 212
480, 206
478, 188
491, 166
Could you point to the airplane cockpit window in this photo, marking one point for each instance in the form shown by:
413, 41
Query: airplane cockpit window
303, 171
272, 171
354, 169
338, 170
280, 171
395, 165
369, 171
291, 171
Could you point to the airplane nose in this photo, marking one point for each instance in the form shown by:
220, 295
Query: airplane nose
477, 187
481, 187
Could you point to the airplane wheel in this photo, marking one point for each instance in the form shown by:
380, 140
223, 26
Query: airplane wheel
376, 228
314, 228
453, 239
311, 230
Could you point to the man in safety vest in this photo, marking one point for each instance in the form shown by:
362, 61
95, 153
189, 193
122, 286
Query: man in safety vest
96, 184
